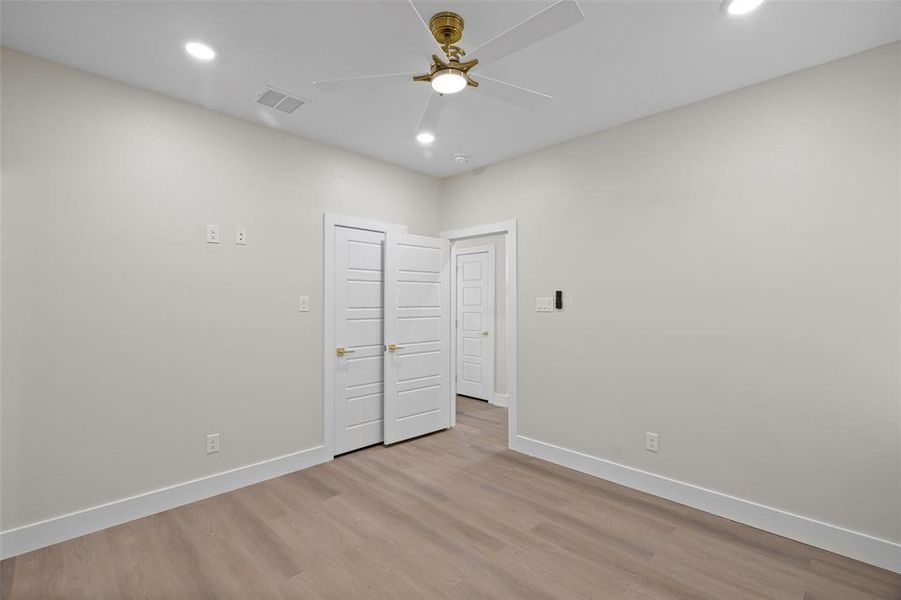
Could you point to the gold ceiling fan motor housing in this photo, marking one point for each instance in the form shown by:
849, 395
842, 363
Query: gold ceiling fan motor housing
447, 29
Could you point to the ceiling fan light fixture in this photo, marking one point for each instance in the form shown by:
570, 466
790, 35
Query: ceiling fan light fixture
448, 81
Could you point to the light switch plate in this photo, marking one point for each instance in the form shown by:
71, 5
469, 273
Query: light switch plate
212, 234
544, 304
241, 236
304, 304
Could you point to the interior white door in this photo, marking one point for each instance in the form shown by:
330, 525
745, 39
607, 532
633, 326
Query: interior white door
475, 322
359, 324
417, 332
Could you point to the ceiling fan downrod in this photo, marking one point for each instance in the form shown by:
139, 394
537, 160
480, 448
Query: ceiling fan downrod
447, 29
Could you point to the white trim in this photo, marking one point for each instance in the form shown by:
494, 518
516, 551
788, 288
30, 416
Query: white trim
500, 399
329, 222
452, 398
508, 229
66, 527
480, 230
859, 546
492, 329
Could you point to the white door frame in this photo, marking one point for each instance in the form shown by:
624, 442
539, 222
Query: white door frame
456, 253
330, 359
508, 229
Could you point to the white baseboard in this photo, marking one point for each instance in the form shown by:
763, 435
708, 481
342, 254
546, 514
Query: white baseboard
500, 400
853, 544
65, 527
859, 546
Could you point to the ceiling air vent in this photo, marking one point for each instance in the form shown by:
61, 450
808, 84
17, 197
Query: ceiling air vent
280, 101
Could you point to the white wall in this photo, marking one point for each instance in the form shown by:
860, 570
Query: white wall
127, 338
500, 304
731, 275
730, 268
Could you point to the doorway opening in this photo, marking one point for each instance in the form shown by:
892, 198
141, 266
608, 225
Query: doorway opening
483, 296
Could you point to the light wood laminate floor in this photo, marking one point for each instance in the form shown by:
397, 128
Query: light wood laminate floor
450, 515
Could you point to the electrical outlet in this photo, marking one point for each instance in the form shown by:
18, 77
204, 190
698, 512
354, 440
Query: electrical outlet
241, 236
212, 443
650, 442
212, 234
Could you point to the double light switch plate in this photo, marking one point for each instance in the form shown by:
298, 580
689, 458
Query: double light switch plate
544, 304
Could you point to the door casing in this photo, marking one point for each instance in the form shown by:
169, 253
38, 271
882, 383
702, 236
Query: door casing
508, 229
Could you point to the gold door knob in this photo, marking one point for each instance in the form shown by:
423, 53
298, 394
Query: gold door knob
484, 333
394, 347
342, 351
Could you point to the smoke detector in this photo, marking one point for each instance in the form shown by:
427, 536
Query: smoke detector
461, 158
280, 101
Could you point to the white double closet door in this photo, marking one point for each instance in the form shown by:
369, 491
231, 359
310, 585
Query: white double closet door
392, 329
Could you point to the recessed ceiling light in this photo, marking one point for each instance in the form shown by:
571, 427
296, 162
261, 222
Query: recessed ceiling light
461, 158
200, 51
740, 7
424, 137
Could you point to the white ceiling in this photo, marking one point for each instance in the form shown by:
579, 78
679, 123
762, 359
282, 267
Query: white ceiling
628, 59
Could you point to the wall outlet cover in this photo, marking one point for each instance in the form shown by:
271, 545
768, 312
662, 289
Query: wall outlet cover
304, 304
212, 443
650, 442
212, 234
241, 236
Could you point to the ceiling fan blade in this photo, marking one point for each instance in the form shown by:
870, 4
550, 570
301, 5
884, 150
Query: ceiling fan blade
555, 18
511, 93
342, 83
432, 114
426, 33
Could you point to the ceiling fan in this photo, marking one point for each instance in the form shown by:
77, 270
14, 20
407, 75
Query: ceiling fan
451, 67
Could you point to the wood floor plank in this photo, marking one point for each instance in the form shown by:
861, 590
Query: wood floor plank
449, 516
